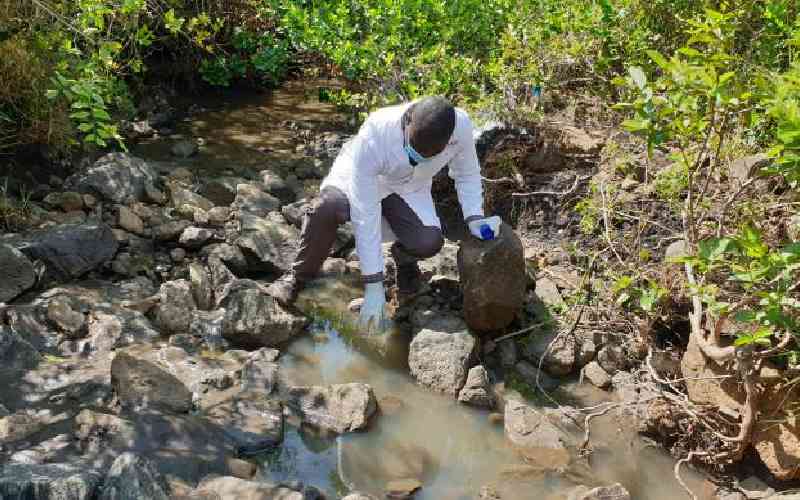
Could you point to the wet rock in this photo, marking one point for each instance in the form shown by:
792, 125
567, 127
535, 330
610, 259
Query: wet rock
260, 371
129, 221
17, 272
477, 391
170, 230
339, 408
547, 292
255, 319
612, 359
613, 492
402, 488
50, 482
250, 199
141, 385
529, 373
69, 201
116, 177
493, 279
184, 148
68, 251
253, 421
277, 187
359, 496
231, 487
559, 352
196, 237
182, 197
176, 307
268, 245
232, 256
63, 313
132, 478
222, 190
597, 375
536, 436
441, 360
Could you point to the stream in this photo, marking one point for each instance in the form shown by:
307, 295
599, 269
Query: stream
454, 450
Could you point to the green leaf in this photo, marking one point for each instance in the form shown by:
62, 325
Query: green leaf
80, 115
638, 76
101, 114
657, 58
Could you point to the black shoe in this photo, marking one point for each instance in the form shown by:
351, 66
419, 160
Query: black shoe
285, 289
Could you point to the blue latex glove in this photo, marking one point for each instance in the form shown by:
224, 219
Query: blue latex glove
485, 229
371, 318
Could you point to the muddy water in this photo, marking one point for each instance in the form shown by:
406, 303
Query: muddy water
453, 450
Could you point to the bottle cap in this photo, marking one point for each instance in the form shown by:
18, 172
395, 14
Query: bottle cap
486, 232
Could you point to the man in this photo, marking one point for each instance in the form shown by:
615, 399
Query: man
384, 175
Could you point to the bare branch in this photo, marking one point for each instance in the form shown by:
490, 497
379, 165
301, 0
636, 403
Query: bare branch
578, 179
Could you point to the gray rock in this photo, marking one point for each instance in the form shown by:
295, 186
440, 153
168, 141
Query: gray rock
112, 327
613, 492
231, 487
16, 354
222, 190
744, 168
202, 289
294, 213
182, 197
339, 408
116, 177
493, 279
170, 230
359, 496
48, 482
129, 221
612, 359
536, 436
17, 271
177, 255
547, 292
68, 251
441, 360
277, 187
143, 385
63, 313
184, 148
252, 200
134, 478
597, 375
430, 319
218, 216
260, 371
444, 263
268, 245
587, 350
52, 450
221, 276
255, 319
507, 351
251, 419
231, 255
677, 249
20, 425
4, 411
559, 358
793, 228
196, 237
176, 306
477, 391
334, 267
69, 201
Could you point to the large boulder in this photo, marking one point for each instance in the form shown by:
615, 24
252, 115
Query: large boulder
68, 251
133, 478
116, 177
536, 436
338, 408
250, 199
142, 384
17, 271
253, 421
221, 190
441, 360
269, 244
493, 279
177, 305
48, 482
182, 197
255, 319
277, 186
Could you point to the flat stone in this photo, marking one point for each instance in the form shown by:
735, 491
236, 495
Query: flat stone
231, 487
177, 304
116, 177
252, 200
597, 375
252, 420
129, 221
536, 436
339, 408
196, 237
142, 384
69, 201
133, 477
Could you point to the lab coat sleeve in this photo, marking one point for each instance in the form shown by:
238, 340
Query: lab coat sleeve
365, 202
465, 170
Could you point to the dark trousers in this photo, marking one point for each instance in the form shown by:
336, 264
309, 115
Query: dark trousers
331, 209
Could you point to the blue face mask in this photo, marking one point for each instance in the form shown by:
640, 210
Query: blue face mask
413, 156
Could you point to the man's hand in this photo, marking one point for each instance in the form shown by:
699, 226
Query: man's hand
485, 229
372, 315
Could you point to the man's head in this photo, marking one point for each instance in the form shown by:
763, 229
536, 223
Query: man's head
429, 123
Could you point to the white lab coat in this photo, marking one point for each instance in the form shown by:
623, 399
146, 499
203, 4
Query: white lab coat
373, 165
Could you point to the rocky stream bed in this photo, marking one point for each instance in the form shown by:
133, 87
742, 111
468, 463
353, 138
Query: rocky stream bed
140, 356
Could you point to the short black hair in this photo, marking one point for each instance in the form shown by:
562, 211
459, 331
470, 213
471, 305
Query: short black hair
432, 121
